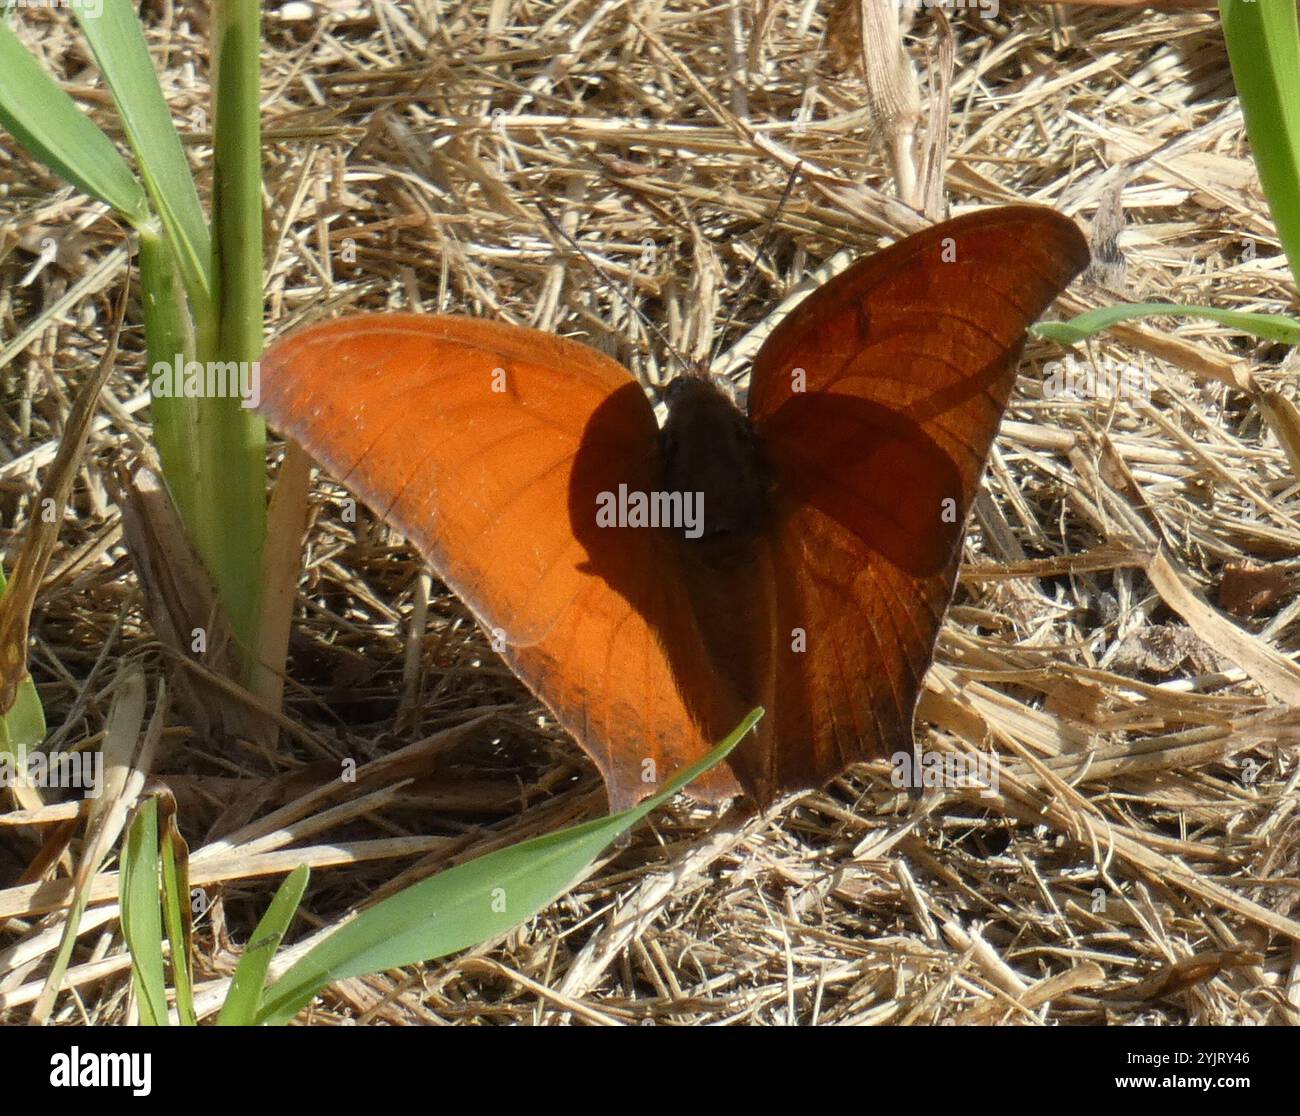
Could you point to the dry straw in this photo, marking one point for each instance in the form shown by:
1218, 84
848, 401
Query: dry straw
1140, 859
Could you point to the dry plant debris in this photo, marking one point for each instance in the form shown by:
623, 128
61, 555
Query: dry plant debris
1141, 859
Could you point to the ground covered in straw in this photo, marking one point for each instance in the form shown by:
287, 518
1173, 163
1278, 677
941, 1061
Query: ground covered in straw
1121, 636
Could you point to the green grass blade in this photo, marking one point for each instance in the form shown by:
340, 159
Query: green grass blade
237, 181
48, 123
1271, 327
246, 987
1264, 51
175, 859
168, 336
469, 903
23, 728
233, 437
138, 895
118, 44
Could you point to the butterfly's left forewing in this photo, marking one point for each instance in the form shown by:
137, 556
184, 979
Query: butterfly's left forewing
491, 446
876, 402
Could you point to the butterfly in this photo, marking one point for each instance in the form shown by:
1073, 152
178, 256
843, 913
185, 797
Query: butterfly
652, 585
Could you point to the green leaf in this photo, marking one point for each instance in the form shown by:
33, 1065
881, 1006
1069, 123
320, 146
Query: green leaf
175, 859
1264, 52
232, 438
213, 449
49, 125
237, 179
1271, 327
469, 903
23, 728
118, 44
245, 996
169, 336
138, 894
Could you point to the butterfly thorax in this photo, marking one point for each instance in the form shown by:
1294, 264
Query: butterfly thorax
709, 449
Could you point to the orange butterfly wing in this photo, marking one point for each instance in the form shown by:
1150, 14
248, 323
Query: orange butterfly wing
875, 403
878, 442
487, 445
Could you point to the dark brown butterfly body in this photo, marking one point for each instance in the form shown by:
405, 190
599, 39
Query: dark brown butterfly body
708, 447
814, 581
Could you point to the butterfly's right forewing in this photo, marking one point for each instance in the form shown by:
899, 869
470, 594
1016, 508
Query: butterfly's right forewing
876, 402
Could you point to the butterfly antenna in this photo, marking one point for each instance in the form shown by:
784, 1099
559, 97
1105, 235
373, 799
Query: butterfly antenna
750, 275
645, 320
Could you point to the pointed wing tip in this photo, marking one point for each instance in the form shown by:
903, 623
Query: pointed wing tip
1061, 236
